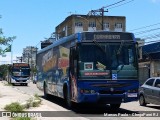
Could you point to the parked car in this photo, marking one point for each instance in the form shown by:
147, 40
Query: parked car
149, 92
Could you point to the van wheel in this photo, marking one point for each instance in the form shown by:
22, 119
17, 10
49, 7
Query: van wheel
142, 100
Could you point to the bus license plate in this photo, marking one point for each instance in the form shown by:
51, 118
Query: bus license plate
132, 94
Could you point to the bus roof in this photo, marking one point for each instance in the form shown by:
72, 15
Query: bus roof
92, 35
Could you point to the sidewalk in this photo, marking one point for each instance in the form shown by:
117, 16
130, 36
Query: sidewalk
9, 94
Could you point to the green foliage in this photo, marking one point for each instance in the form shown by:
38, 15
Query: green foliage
4, 41
33, 102
8, 49
8, 84
36, 104
36, 96
14, 107
3, 71
33, 69
22, 118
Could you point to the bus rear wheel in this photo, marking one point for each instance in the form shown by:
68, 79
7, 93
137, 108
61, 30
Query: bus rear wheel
68, 101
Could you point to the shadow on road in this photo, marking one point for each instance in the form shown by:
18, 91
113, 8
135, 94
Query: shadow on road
86, 110
153, 106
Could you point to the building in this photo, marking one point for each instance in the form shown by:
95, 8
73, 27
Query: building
150, 63
78, 23
29, 55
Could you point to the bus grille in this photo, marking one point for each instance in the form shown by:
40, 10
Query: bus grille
111, 85
110, 100
21, 80
111, 92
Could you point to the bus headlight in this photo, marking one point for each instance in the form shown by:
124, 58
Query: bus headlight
86, 91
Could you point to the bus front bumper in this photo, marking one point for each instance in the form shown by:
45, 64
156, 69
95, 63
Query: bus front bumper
19, 81
107, 98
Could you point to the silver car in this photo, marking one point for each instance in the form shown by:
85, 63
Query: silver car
149, 92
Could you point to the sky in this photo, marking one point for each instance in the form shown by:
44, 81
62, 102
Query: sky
31, 21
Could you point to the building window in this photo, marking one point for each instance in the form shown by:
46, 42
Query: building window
106, 26
78, 27
118, 25
92, 24
78, 24
64, 28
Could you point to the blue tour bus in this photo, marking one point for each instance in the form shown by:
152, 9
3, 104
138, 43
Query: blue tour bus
90, 67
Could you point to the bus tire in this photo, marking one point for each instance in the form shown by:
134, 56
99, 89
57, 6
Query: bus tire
45, 91
68, 100
115, 106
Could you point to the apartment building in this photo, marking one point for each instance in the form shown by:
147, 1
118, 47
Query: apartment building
78, 23
29, 55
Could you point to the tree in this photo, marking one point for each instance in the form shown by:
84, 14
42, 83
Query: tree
3, 71
5, 42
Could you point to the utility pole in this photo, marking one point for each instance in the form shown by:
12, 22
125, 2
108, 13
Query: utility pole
28, 57
101, 12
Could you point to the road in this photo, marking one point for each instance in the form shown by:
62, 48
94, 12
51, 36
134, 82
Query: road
93, 113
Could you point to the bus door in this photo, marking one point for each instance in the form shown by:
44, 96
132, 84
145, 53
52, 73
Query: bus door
73, 73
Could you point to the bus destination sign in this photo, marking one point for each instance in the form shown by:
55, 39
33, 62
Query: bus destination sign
20, 65
100, 37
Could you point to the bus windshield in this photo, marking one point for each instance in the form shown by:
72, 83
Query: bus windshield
20, 71
103, 60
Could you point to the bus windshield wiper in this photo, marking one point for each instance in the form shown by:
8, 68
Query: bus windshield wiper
96, 43
120, 47
118, 53
120, 68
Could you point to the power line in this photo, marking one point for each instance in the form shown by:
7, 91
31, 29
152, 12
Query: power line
154, 41
90, 12
143, 32
114, 3
152, 36
145, 27
121, 4
102, 10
